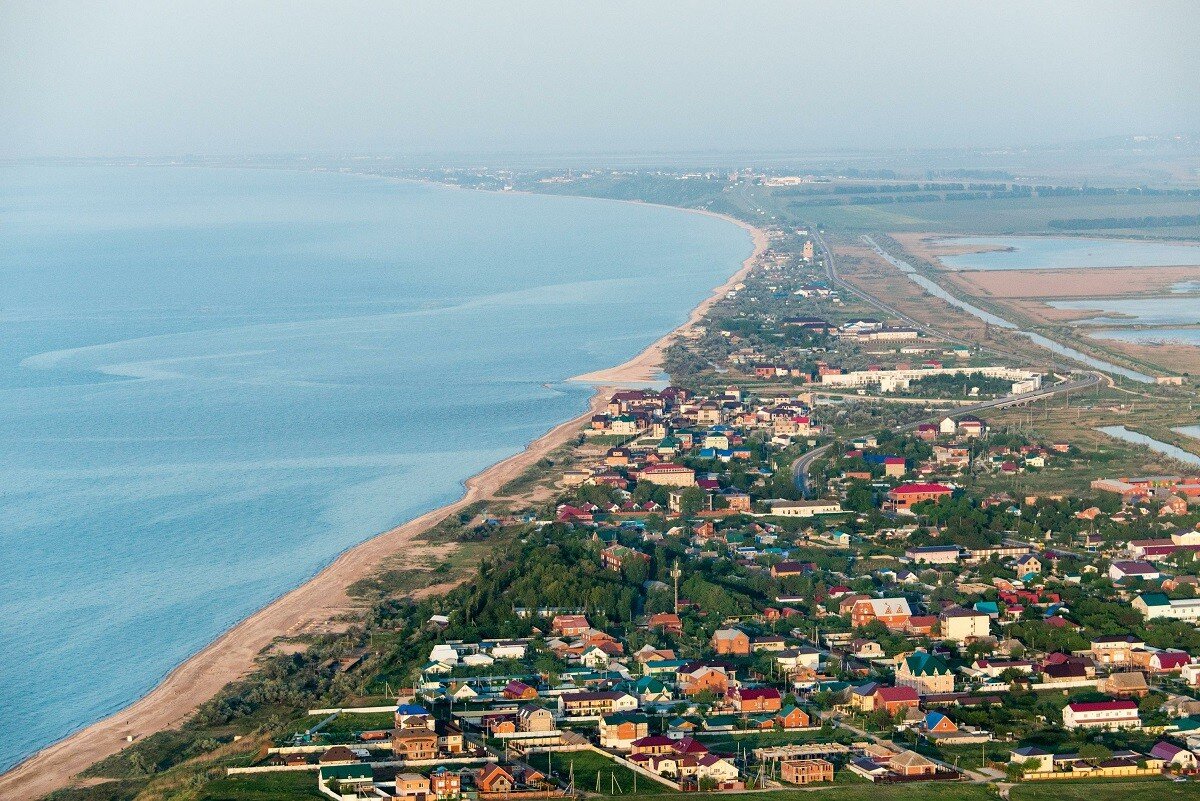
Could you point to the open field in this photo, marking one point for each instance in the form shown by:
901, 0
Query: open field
861, 266
1106, 457
996, 216
1176, 358
731, 743
588, 765
919, 791
262, 787
1147, 790
1027, 313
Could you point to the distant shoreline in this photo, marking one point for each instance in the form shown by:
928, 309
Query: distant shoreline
323, 597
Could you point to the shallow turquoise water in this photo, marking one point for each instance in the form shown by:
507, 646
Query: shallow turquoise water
214, 381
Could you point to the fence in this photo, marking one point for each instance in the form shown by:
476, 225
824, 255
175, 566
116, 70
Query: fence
1099, 773
353, 710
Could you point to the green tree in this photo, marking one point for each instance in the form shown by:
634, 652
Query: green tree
691, 500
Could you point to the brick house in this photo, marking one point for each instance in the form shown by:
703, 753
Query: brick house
668, 474
905, 496
793, 717
445, 784
756, 699
731, 641
517, 690
895, 699
925, 673
414, 744
891, 612
569, 625
806, 771
697, 677
492, 778
535, 719
619, 731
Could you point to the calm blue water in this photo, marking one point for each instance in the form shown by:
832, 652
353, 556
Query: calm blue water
1152, 336
1158, 446
1136, 311
1054, 252
213, 381
936, 290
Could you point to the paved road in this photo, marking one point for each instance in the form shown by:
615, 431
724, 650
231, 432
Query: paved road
832, 274
802, 465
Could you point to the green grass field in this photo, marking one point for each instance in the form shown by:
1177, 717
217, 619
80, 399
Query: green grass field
262, 787
920, 791
1145, 790
588, 765
730, 743
996, 216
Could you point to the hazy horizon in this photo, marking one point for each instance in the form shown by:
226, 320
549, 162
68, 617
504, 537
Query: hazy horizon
270, 78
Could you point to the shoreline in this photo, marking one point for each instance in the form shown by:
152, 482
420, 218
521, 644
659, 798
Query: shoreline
323, 596
647, 365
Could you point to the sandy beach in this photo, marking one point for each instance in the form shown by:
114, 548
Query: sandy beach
323, 597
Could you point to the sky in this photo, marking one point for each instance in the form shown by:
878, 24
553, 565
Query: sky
171, 78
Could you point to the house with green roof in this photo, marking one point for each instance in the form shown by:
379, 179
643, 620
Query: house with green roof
660, 667
925, 673
650, 690
345, 781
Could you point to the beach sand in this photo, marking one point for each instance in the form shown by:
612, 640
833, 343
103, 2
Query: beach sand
323, 598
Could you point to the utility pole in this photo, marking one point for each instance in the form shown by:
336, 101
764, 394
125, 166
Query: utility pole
675, 574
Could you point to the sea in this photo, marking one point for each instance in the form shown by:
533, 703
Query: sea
215, 380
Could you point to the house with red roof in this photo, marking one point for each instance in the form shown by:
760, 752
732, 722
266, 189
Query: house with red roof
895, 699
492, 778
665, 621
517, 690
668, 474
569, 625
904, 497
566, 513
755, 699
1169, 661
654, 744
1101, 715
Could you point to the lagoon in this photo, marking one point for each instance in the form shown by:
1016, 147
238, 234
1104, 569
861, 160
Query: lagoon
937, 291
1062, 252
